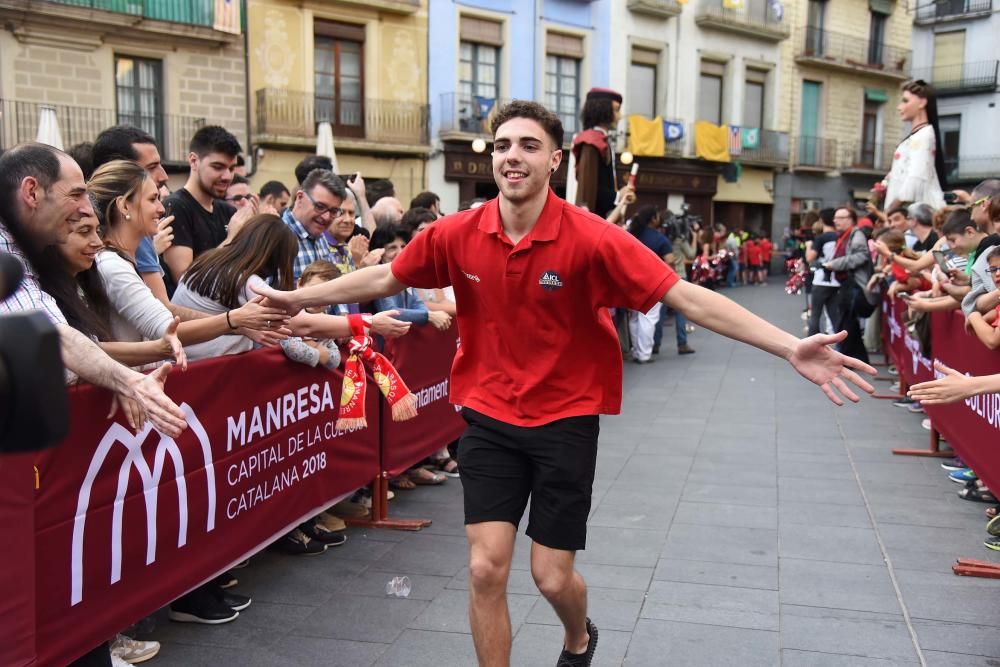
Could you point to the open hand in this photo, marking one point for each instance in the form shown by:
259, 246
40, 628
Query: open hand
255, 314
385, 324
817, 362
173, 344
274, 298
952, 387
147, 392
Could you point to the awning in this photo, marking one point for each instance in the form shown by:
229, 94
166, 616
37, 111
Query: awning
881, 6
876, 95
750, 189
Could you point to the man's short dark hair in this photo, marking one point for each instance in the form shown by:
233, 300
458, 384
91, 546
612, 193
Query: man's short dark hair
241, 161
39, 161
116, 143
215, 139
386, 234
597, 112
328, 180
533, 111
273, 189
310, 162
83, 153
379, 188
416, 217
893, 211
240, 180
850, 211
957, 222
425, 199
826, 215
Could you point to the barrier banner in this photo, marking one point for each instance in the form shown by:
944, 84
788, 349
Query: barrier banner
424, 357
124, 523
971, 427
17, 574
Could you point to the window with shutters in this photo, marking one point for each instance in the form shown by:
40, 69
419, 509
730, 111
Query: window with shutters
563, 56
478, 71
754, 98
642, 80
138, 87
710, 91
339, 76
876, 38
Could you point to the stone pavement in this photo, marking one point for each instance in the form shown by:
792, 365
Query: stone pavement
738, 519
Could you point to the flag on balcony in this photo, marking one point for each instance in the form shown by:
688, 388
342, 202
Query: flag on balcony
777, 10
645, 137
735, 140
751, 138
673, 131
483, 109
710, 141
732, 4
227, 16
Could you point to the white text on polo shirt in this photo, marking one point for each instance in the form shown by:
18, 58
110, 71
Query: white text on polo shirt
435, 392
471, 276
550, 280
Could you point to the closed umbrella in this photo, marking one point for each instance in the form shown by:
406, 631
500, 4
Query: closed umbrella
48, 128
324, 143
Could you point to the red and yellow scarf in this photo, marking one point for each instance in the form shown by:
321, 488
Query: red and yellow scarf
361, 349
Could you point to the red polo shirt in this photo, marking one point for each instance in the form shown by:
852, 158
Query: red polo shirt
537, 341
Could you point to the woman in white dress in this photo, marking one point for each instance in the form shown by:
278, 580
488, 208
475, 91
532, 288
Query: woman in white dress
918, 173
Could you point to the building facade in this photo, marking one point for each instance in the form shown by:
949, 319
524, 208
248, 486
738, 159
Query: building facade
487, 52
359, 65
168, 68
843, 71
706, 60
955, 47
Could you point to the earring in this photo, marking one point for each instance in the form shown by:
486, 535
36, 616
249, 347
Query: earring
128, 217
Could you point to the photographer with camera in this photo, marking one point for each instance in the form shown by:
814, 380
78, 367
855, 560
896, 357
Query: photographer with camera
42, 194
682, 231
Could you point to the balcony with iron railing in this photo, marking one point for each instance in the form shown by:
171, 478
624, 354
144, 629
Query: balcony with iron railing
823, 48
290, 117
755, 18
866, 157
19, 122
772, 149
963, 79
973, 169
944, 10
815, 153
659, 8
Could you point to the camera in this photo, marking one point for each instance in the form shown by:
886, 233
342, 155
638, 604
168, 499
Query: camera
34, 407
679, 226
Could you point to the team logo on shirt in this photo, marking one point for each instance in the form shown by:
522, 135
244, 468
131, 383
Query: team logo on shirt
550, 281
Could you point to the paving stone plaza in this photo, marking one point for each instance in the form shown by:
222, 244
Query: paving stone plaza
739, 519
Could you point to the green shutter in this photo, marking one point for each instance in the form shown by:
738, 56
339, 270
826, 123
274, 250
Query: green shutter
881, 6
876, 95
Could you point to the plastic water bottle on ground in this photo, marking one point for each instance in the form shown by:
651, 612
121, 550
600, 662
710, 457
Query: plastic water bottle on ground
399, 587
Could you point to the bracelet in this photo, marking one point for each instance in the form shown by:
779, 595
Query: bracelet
229, 322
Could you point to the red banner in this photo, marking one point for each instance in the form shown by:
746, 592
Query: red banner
17, 604
125, 523
971, 427
424, 358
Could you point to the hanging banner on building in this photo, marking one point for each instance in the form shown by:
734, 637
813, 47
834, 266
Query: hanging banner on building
125, 522
424, 357
227, 16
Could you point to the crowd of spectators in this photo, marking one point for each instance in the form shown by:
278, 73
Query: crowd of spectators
137, 278
943, 259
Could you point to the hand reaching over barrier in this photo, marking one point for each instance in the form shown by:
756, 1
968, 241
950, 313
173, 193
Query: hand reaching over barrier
953, 386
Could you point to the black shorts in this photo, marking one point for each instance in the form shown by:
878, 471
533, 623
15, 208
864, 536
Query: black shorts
502, 465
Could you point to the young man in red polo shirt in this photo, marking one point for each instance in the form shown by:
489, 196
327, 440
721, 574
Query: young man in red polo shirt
534, 277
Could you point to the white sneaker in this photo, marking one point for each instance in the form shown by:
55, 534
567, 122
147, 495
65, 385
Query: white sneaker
132, 651
118, 662
926, 424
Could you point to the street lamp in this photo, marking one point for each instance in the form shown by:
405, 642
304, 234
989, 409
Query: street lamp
478, 145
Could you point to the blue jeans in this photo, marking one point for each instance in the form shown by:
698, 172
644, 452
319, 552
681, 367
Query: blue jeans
680, 323
734, 269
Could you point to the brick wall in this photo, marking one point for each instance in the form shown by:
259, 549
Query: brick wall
213, 86
57, 76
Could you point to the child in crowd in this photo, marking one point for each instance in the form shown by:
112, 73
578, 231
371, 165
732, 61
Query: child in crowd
310, 351
986, 326
754, 256
904, 281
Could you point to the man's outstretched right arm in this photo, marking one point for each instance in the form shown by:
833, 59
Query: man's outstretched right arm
361, 286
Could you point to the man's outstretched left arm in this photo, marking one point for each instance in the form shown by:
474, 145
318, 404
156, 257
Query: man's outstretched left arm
811, 357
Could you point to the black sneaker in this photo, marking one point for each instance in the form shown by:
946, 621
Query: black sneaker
201, 606
903, 402
234, 601
319, 533
297, 543
226, 580
567, 659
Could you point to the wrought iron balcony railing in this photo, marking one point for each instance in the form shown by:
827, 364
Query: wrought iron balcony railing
756, 17
815, 153
295, 114
962, 79
867, 156
936, 10
188, 12
826, 48
772, 148
19, 123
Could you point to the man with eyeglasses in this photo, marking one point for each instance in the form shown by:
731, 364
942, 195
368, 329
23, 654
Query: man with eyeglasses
316, 205
238, 193
983, 295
